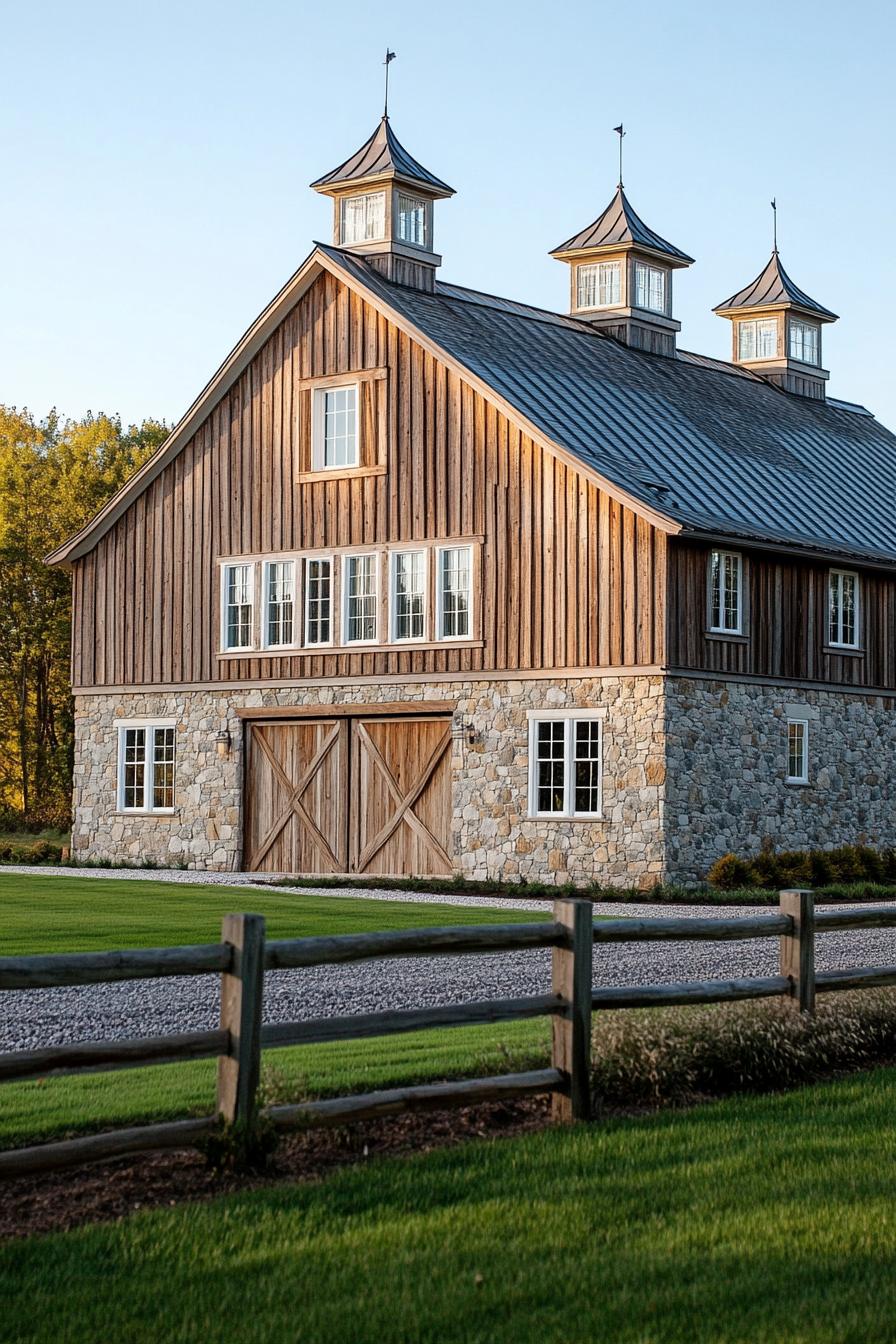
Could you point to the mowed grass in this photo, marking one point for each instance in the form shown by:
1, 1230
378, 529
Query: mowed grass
57, 913
756, 1219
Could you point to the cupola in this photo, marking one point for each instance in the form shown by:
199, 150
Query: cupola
776, 331
383, 208
621, 277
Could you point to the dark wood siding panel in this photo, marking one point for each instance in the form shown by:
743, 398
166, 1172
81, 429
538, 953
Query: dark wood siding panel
568, 577
786, 621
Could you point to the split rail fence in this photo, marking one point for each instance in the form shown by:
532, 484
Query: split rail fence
243, 956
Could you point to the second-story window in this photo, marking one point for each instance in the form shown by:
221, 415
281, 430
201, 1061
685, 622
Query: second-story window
411, 220
758, 338
363, 218
361, 597
650, 287
843, 608
803, 341
335, 430
279, 602
408, 595
318, 600
598, 285
454, 594
725, 592
239, 586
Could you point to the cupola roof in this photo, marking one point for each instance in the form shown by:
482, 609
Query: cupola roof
773, 288
383, 156
620, 227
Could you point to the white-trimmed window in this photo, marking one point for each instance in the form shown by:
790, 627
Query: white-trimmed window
318, 600
360, 598
335, 427
146, 766
726, 592
843, 608
650, 287
411, 219
797, 751
454, 592
363, 218
408, 595
598, 284
279, 603
238, 606
803, 341
758, 338
565, 765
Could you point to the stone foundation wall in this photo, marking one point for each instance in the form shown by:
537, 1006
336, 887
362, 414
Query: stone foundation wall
492, 834
726, 746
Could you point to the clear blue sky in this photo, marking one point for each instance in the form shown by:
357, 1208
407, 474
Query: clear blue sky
156, 157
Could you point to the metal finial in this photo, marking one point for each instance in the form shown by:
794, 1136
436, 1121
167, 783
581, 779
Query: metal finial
774, 226
620, 131
390, 56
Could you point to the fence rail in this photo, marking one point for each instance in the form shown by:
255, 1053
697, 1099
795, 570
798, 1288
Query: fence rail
243, 957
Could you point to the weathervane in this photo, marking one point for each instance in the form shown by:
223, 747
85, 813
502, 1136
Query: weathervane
390, 56
774, 226
620, 131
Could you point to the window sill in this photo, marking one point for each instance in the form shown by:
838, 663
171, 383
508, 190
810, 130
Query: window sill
324, 650
727, 637
797, 783
145, 812
844, 650
340, 473
587, 817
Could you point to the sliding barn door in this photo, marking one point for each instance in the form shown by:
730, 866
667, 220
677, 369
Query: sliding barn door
296, 797
400, 808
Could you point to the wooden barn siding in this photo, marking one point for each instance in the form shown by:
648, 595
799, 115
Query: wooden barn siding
786, 622
569, 577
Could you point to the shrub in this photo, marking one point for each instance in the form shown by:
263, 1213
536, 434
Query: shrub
804, 868
42, 851
729, 872
667, 1055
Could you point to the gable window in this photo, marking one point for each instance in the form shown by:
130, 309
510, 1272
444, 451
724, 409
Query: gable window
361, 598
279, 602
238, 616
565, 757
650, 287
363, 218
454, 595
318, 600
598, 285
146, 767
335, 431
843, 608
411, 220
725, 592
758, 339
803, 341
408, 595
797, 751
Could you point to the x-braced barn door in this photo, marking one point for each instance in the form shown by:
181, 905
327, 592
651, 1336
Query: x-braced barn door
370, 794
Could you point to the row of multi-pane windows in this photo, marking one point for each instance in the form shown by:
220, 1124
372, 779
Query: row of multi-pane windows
726, 602
146, 767
599, 285
298, 599
363, 218
757, 338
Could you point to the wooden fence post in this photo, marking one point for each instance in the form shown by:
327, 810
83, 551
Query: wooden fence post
798, 948
571, 974
241, 994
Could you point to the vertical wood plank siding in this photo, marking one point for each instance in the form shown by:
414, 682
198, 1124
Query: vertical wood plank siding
568, 576
786, 621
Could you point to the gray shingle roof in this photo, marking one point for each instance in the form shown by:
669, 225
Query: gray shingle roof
719, 452
384, 156
772, 288
620, 225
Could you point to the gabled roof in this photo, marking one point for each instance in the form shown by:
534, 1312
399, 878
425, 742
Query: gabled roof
773, 288
383, 156
619, 226
696, 445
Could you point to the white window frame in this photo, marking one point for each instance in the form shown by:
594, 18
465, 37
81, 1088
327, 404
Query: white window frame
840, 643
569, 717
794, 721
423, 552
346, 596
318, 427
649, 271
753, 324
267, 643
149, 727
416, 203
722, 629
597, 267
304, 561
440, 552
226, 566
796, 324
369, 237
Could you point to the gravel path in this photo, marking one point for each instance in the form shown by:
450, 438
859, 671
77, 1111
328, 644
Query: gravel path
33, 1018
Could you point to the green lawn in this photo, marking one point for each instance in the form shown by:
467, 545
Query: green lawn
753, 1220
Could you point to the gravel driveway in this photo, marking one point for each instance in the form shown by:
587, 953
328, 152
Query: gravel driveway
33, 1018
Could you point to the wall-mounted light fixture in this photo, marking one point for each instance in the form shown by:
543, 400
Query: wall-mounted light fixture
463, 733
223, 741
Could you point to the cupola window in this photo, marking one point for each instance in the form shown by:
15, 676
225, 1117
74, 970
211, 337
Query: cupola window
803, 341
758, 339
599, 285
412, 220
650, 287
363, 218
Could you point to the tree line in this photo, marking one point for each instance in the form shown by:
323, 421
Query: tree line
54, 475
